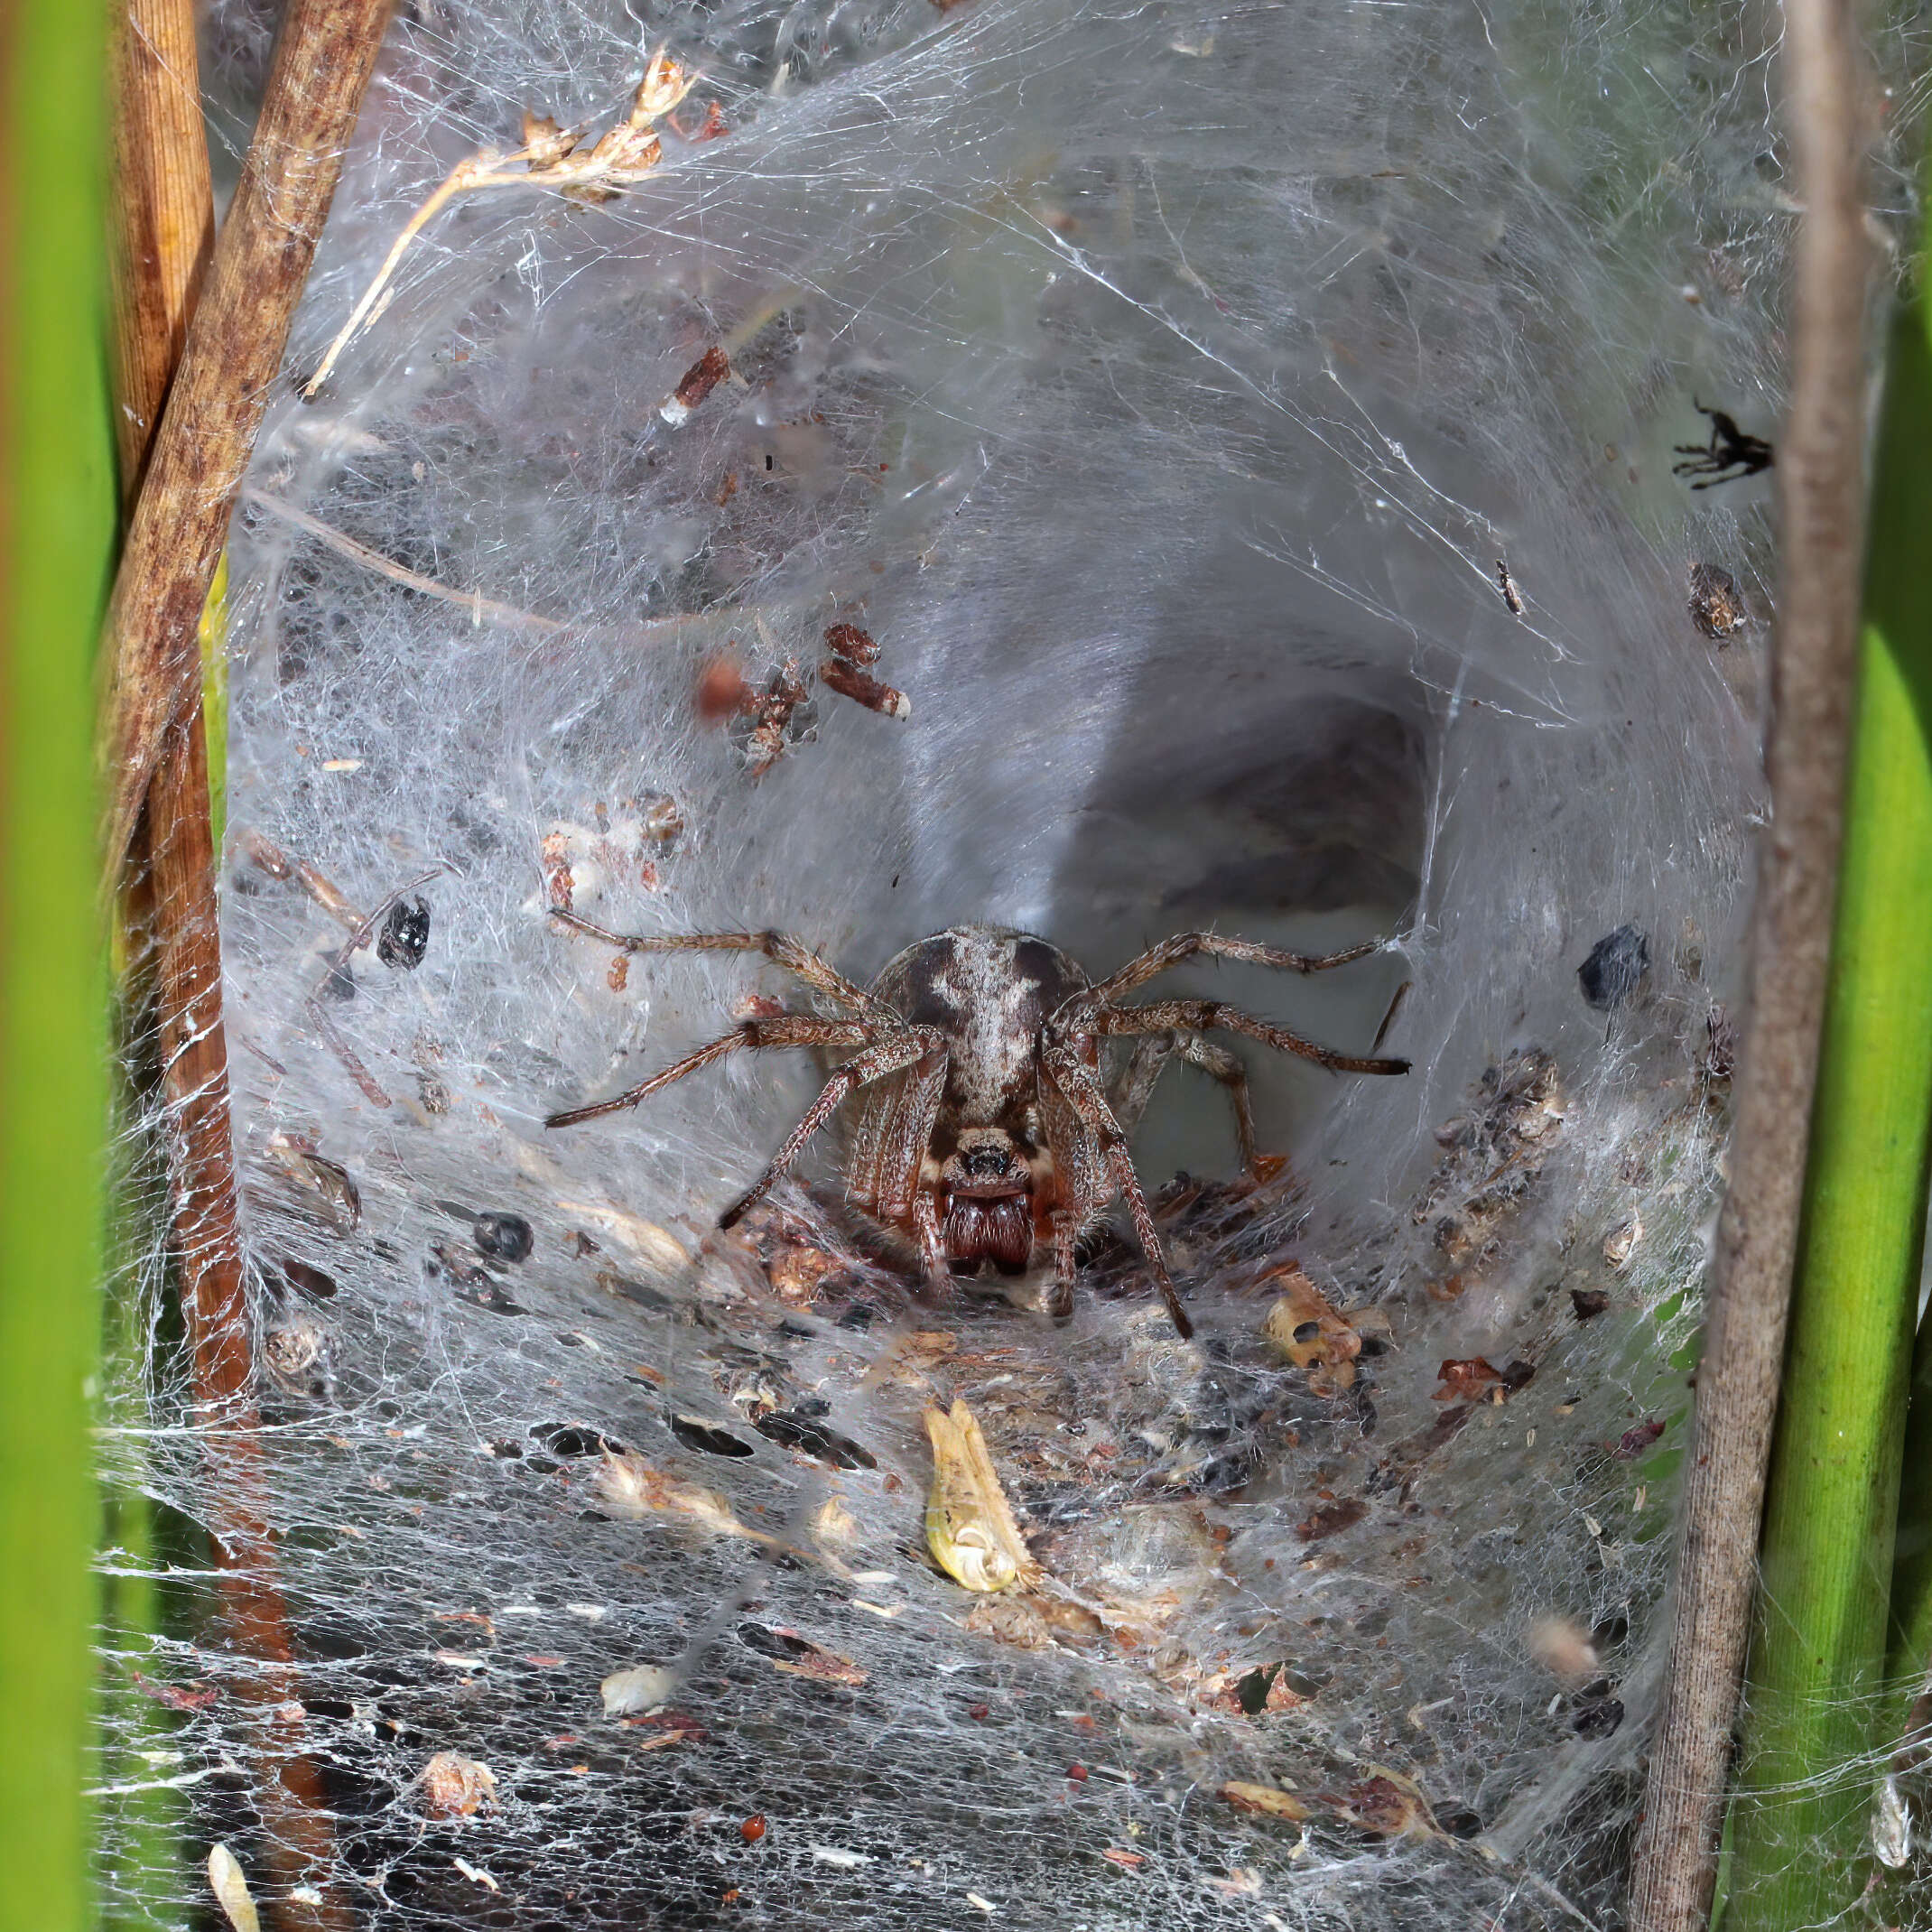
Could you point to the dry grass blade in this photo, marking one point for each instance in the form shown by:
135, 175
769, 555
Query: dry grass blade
550, 157
323, 58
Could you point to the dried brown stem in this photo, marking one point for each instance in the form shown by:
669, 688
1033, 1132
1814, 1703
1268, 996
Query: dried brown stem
1821, 473
234, 342
480, 609
161, 247
164, 215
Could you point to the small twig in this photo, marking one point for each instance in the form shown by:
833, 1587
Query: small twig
1821, 473
264, 853
347, 1055
553, 158
358, 937
324, 55
484, 610
480, 609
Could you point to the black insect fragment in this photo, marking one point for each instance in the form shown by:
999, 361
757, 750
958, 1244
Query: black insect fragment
710, 1441
1599, 1718
1615, 969
1731, 453
504, 1237
405, 935
792, 1430
472, 1285
1588, 1303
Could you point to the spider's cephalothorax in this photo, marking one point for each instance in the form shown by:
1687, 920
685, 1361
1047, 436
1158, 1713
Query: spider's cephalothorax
988, 1130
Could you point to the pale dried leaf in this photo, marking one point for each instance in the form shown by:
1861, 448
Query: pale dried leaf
1267, 1800
969, 1524
230, 1888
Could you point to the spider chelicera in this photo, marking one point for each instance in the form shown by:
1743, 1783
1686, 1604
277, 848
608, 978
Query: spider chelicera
987, 1129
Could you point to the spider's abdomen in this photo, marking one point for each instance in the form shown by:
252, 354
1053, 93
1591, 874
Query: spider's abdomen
988, 990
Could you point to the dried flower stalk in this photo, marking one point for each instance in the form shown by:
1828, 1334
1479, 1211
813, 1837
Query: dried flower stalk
550, 157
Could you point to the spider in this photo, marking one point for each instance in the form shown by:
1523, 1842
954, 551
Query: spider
987, 1130
1730, 454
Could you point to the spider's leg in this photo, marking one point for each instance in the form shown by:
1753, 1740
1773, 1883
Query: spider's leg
1135, 1085
905, 1137
1205, 1015
1232, 1075
780, 1029
791, 954
1221, 946
1082, 1088
1066, 1235
888, 1056
1152, 1054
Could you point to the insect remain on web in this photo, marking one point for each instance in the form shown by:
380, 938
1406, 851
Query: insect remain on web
1730, 452
987, 1129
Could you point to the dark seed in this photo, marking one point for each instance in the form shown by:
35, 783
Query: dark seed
405, 935
568, 1440
1598, 1720
504, 1237
1615, 968
309, 1281
700, 1436
1252, 1689
809, 1437
1588, 1303
1632, 1443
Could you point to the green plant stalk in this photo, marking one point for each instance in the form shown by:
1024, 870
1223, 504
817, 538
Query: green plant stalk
1908, 510
58, 517
1910, 1663
1818, 1658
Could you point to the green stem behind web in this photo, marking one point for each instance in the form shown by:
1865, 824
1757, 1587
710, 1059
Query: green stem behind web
57, 527
1818, 1658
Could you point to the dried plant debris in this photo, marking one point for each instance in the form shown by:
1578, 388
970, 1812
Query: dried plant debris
1309, 1333
325, 1182
969, 1526
455, 1786
1716, 606
229, 1885
1269, 1801
697, 382
1494, 1153
550, 157
628, 1486
796, 1656
862, 687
